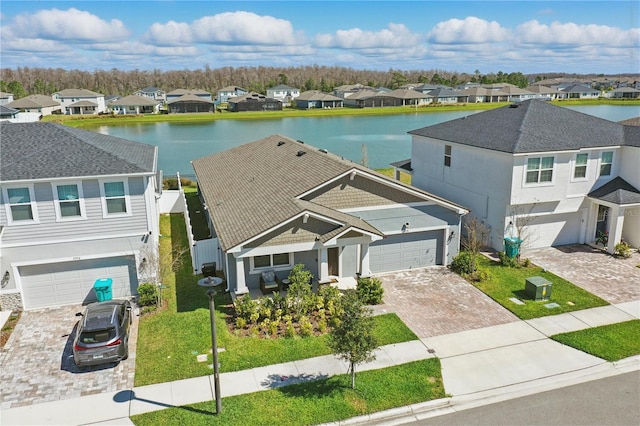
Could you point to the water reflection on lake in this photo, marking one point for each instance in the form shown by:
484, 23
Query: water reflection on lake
381, 139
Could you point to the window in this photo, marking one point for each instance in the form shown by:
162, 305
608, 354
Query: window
447, 155
270, 261
606, 160
21, 207
68, 202
580, 166
115, 198
539, 169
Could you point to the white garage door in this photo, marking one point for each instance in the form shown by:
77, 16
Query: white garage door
72, 282
554, 230
406, 251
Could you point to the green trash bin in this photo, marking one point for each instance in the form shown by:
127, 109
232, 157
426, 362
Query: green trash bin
512, 246
103, 289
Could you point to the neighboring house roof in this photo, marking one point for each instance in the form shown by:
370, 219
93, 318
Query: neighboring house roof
48, 150
631, 121
317, 95
83, 103
231, 89
579, 88
5, 95
364, 94
515, 90
189, 98
77, 93
252, 96
34, 101
282, 87
134, 100
179, 92
407, 94
443, 92
6, 111
150, 90
543, 90
403, 164
255, 187
617, 191
532, 126
625, 90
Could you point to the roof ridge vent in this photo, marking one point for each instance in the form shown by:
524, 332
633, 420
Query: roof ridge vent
280, 143
299, 141
323, 150
300, 153
513, 106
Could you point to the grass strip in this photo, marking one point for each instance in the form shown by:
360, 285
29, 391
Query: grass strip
610, 342
326, 400
505, 283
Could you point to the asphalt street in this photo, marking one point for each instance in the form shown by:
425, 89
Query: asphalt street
613, 401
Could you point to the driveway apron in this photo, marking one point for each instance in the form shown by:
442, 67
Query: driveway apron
616, 280
435, 301
36, 363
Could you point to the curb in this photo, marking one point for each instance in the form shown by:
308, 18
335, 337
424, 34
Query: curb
398, 413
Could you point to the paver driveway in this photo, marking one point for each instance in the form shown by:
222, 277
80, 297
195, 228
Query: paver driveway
616, 280
36, 364
435, 301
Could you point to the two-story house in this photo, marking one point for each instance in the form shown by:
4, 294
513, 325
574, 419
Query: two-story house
223, 95
40, 104
557, 174
80, 101
75, 206
152, 93
283, 93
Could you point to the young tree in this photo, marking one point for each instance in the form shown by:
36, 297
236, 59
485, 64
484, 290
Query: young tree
352, 340
475, 237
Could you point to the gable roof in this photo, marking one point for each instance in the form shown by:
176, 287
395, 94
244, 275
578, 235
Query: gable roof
33, 151
617, 191
134, 100
189, 98
282, 87
255, 187
78, 93
531, 126
7, 111
180, 92
317, 95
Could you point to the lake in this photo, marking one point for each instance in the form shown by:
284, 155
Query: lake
384, 138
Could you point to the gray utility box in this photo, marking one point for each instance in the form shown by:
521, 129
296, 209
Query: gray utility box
538, 288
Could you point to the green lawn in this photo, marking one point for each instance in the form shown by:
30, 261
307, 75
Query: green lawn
610, 342
505, 283
169, 340
322, 401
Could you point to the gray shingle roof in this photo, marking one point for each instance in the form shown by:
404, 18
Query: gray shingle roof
34, 101
48, 150
78, 93
316, 95
134, 100
254, 187
532, 126
617, 191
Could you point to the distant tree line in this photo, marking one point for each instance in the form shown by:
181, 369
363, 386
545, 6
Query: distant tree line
24, 81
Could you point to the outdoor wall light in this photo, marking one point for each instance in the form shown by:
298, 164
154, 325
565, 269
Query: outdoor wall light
5, 279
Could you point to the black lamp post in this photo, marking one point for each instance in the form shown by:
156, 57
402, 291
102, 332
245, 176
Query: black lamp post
211, 292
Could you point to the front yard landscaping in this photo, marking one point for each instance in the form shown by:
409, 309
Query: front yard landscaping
610, 342
503, 284
322, 401
170, 339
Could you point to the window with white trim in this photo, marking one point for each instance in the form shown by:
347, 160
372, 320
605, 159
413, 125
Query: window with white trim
447, 155
580, 166
606, 161
21, 207
69, 203
115, 198
539, 170
272, 261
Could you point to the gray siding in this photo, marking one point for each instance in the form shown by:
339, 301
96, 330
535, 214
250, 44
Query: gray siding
48, 229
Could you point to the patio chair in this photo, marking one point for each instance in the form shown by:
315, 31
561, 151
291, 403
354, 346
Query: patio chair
269, 282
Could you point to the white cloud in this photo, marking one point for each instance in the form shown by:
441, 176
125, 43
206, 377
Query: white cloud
69, 25
171, 33
533, 32
244, 28
395, 36
468, 30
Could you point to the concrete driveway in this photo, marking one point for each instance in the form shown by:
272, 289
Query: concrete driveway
614, 279
36, 363
435, 301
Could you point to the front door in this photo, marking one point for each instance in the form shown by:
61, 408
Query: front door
333, 258
602, 220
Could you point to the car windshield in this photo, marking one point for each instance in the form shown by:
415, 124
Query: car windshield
97, 336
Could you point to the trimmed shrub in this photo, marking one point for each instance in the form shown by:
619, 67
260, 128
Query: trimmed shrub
510, 262
461, 264
622, 249
370, 290
147, 294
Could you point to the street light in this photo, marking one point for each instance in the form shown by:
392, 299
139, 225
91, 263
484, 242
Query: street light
211, 292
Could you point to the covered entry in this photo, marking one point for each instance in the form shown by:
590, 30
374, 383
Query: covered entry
66, 283
406, 251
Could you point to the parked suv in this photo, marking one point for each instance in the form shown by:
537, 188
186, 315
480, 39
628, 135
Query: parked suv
103, 333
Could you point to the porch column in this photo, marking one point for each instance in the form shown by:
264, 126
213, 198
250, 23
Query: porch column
445, 246
616, 220
241, 283
324, 264
365, 271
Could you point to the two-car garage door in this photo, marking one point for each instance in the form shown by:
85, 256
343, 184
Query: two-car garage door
406, 251
72, 282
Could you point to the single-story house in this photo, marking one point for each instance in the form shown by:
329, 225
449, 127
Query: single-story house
318, 99
278, 202
134, 104
254, 102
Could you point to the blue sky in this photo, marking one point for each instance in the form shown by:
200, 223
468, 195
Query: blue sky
462, 36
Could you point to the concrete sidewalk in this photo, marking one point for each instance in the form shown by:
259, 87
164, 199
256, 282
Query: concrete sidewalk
477, 365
